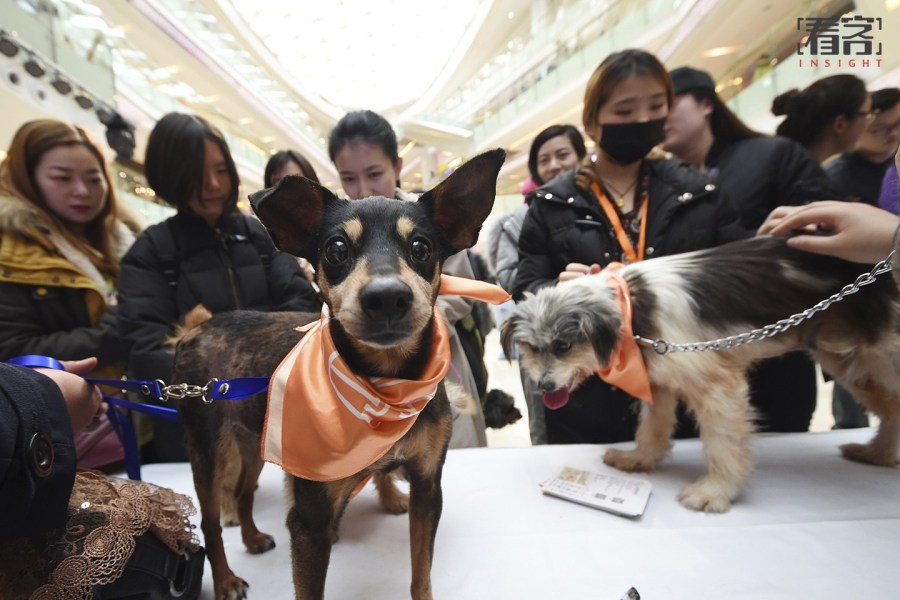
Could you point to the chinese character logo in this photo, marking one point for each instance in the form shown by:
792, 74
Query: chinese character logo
847, 36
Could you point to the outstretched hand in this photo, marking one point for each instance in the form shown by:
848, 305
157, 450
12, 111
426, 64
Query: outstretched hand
849, 230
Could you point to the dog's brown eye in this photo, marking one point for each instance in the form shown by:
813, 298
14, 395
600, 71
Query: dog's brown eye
336, 252
561, 347
421, 250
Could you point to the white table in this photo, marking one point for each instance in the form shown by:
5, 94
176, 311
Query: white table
810, 525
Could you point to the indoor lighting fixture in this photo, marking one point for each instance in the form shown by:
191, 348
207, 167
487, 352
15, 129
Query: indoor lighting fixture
61, 85
7, 46
105, 114
119, 133
720, 51
83, 100
407, 148
34, 68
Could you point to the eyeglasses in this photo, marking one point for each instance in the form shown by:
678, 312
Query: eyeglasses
868, 115
885, 130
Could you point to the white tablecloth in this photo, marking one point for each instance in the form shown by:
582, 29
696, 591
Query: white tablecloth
810, 525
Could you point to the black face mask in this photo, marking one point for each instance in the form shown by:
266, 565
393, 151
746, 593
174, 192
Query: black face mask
626, 143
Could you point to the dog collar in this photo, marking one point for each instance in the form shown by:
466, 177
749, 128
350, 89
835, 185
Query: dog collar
626, 368
324, 422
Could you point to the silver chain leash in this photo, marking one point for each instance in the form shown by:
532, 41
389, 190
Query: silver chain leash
732, 341
179, 391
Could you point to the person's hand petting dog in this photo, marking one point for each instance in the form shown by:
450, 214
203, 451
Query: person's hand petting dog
576, 270
83, 399
853, 231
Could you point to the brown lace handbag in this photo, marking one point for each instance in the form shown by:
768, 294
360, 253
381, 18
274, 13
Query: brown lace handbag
123, 539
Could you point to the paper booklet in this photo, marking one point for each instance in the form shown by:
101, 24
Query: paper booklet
617, 494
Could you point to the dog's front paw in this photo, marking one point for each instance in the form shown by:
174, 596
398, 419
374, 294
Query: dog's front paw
868, 453
631, 461
259, 543
231, 588
709, 495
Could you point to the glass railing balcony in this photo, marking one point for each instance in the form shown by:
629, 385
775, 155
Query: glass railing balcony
552, 40
93, 56
217, 42
625, 25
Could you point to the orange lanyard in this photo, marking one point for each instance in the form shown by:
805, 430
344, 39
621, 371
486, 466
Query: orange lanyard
613, 216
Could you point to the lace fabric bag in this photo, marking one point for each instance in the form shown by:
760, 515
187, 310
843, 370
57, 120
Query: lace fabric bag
123, 540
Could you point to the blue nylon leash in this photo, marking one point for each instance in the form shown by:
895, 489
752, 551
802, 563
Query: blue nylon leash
237, 388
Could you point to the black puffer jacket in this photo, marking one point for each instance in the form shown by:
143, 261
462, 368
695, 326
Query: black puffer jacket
180, 263
759, 174
565, 224
223, 270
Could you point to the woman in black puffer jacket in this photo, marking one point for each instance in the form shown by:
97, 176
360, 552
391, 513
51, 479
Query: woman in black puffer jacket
618, 206
207, 253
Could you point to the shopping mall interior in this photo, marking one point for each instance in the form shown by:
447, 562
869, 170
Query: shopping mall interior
453, 81
457, 78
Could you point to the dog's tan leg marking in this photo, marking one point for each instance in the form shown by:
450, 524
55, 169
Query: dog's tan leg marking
724, 418
226, 585
653, 435
872, 378
231, 474
254, 540
392, 499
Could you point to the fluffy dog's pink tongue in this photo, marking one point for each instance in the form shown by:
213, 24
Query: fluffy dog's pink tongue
556, 399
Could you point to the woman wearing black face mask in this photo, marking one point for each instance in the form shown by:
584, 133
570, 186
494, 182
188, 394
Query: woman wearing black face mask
619, 205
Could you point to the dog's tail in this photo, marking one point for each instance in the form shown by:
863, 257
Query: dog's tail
193, 319
460, 400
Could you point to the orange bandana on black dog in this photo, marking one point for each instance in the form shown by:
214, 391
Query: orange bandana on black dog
325, 422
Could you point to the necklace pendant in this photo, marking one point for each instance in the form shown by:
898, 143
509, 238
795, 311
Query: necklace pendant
621, 202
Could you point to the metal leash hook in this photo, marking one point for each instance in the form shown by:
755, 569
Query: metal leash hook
662, 347
179, 391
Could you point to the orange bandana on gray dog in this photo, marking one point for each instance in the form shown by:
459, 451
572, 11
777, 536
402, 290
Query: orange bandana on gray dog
626, 368
324, 422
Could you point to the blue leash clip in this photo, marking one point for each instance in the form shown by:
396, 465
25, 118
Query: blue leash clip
215, 389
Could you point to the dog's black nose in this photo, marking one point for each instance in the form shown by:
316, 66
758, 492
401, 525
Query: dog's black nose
386, 299
547, 386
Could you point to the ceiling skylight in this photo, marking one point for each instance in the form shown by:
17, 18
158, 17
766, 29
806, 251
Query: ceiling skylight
361, 54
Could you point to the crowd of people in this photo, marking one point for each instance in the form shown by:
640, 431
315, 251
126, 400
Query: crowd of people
673, 169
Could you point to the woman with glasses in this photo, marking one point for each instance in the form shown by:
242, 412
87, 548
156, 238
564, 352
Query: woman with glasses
858, 174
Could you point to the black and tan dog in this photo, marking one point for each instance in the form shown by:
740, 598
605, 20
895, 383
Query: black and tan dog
378, 264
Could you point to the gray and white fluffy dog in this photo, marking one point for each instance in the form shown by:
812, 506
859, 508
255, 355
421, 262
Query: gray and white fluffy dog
567, 332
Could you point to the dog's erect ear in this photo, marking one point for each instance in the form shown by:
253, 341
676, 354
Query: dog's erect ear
460, 204
292, 210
